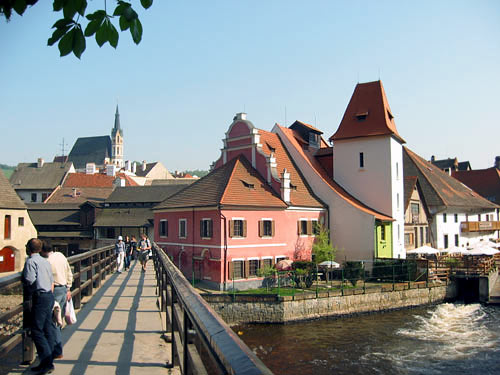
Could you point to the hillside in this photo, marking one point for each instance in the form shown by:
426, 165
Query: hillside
7, 170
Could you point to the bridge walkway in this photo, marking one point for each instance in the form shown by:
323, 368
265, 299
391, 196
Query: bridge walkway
119, 330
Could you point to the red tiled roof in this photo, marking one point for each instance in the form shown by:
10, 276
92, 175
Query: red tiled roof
235, 183
367, 114
484, 181
95, 180
439, 188
336, 188
301, 195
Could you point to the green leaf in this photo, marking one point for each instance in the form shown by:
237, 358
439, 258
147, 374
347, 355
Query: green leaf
146, 3
136, 30
63, 23
19, 6
66, 43
98, 15
56, 35
78, 41
92, 27
81, 6
130, 14
124, 24
101, 36
112, 35
57, 5
69, 9
121, 8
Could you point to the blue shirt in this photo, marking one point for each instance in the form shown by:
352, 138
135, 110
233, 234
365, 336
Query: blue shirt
37, 274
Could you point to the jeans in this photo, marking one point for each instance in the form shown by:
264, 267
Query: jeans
42, 328
127, 261
60, 297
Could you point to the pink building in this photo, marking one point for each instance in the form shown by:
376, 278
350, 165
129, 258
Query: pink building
252, 210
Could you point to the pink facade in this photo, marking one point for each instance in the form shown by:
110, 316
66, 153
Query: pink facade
210, 258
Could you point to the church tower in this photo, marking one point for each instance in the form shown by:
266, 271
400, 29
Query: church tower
117, 142
368, 162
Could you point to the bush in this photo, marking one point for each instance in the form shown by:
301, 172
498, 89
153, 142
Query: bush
353, 271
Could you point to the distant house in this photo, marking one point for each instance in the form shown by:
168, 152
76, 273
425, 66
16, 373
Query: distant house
252, 210
128, 210
417, 231
64, 225
451, 165
16, 228
458, 215
74, 195
146, 173
483, 181
34, 182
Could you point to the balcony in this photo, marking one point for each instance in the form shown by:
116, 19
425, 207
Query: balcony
479, 226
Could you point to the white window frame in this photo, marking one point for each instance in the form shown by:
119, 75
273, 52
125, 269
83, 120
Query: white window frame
185, 228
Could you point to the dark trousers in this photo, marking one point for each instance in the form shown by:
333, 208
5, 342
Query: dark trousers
42, 328
128, 258
60, 297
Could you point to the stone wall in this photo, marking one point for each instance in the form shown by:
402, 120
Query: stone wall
273, 309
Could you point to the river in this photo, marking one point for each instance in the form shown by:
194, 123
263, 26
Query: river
441, 339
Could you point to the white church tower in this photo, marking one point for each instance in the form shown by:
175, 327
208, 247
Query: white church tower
117, 142
368, 158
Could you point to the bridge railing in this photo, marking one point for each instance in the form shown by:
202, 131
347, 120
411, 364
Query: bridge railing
201, 342
89, 270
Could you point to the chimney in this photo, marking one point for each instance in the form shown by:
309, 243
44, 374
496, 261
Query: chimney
271, 166
433, 159
134, 167
240, 116
40, 163
128, 166
285, 186
143, 165
73, 193
119, 182
497, 162
90, 168
110, 170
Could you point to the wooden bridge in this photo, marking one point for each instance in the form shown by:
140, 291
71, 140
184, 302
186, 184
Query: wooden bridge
135, 323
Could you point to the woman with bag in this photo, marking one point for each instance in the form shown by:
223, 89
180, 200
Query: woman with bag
144, 247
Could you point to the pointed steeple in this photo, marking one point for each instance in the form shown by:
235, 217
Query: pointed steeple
367, 114
117, 127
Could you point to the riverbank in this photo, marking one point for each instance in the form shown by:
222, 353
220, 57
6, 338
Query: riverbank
242, 309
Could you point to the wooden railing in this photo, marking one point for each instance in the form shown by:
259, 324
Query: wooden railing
201, 342
479, 226
466, 265
89, 270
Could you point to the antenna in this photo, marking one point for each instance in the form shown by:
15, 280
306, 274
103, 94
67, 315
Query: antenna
315, 124
285, 117
379, 73
63, 149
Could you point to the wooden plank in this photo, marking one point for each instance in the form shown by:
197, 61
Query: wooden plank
10, 344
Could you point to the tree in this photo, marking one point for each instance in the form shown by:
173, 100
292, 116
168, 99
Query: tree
69, 32
322, 249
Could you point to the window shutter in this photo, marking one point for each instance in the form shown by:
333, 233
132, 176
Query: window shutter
231, 228
244, 228
309, 227
298, 227
261, 228
166, 228
230, 270
247, 269
201, 228
209, 228
272, 228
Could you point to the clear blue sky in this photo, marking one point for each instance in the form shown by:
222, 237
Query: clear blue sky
200, 62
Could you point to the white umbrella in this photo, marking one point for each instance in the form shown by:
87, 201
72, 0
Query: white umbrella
423, 250
485, 250
457, 250
329, 264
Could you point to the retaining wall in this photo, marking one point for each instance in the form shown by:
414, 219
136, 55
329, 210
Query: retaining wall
273, 309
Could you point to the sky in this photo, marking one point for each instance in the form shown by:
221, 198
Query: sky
201, 62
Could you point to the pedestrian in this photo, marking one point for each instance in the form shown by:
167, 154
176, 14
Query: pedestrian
127, 253
63, 279
39, 282
145, 247
133, 247
120, 252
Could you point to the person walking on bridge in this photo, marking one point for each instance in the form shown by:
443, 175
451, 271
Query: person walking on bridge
39, 282
120, 252
63, 279
145, 247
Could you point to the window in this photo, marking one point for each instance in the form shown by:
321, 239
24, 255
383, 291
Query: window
361, 160
44, 196
422, 235
313, 139
315, 227
408, 239
33, 197
253, 267
268, 262
20, 221
382, 232
182, 228
237, 269
427, 235
237, 228
479, 217
444, 218
304, 227
456, 218
266, 228
397, 171
445, 241
415, 209
163, 228
397, 201
206, 228
6, 228
456, 239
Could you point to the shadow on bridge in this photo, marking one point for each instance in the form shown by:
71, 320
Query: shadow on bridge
119, 330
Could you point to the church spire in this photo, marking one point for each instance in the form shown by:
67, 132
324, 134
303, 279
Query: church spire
117, 119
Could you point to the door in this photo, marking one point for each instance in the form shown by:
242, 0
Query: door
7, 260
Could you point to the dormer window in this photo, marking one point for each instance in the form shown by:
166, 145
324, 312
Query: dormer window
361, 116
247, 185
389, 114
313, 139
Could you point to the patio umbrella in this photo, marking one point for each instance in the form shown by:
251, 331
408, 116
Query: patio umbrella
457, 250
329, 264
284, 265
484, 250
426, 250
